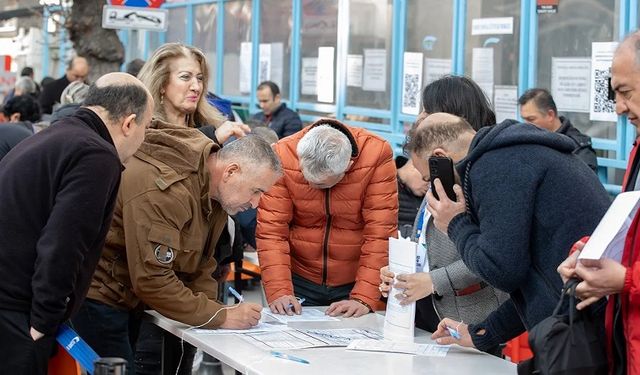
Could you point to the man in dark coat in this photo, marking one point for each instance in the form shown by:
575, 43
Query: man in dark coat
275, 114
57, 193
78, 70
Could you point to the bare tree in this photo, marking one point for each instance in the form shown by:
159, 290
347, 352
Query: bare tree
101, 47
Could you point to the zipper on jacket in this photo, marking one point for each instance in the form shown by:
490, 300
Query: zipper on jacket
325, 243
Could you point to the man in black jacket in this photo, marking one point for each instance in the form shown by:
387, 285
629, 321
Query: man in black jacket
78, 70
57, 193
275, 114
537, 107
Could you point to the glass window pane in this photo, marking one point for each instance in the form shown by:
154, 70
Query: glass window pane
154, 41
177, 23
135, 46
204, 36
494, 41
319, 29
275, 37
569, 34
369, 54
237, 30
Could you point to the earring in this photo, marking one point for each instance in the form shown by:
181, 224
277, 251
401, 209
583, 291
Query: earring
161, 99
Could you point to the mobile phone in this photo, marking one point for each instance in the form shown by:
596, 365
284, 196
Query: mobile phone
441, 167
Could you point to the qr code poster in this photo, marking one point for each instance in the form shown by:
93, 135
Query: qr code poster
411, 82
601, 108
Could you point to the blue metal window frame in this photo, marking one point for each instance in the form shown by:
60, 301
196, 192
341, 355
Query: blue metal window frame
392, 128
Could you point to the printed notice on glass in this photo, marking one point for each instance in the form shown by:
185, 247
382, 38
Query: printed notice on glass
399, 320
411, 82
245, 67
505, 102
324, 83
482, 69
277, 57
489, 26
264, 63
435, 69
354, 70
309, 76
375, 70
601, 108
570, 81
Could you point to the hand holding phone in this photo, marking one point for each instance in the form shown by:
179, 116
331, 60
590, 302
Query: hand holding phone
441, 167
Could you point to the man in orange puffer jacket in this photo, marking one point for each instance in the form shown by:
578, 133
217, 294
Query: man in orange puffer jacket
323, 228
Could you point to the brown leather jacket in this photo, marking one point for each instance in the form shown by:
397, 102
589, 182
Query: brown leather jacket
159, 249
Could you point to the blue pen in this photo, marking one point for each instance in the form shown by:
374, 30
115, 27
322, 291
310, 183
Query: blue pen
289, 357
236, 294
454, 333
300, 301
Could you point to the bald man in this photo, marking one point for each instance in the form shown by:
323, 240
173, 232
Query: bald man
77, 70
57, 193
607, 277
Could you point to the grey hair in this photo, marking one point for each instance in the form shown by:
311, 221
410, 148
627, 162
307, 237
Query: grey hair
324, 151
251, 150
25, 85
75, 92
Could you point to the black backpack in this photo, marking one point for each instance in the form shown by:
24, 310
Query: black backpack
571, 343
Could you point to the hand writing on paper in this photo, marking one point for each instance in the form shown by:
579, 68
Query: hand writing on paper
286, 305
442, 335
244, 316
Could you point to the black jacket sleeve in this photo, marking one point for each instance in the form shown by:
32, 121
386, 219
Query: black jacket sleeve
81, 209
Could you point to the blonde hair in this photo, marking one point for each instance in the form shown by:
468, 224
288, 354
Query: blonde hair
155, 75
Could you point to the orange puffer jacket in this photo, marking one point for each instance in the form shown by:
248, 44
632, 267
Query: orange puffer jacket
333, 236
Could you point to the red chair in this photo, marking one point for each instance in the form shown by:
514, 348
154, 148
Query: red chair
518, 349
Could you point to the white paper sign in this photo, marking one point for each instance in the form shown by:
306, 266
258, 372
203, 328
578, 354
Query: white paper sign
570, 82
245, 67
324, 81
435, 69
277, 57
601, 108
607, 240
498, 25
505, 102
399, 320
411, 82
309, 76
482, 69
375, 70
264, 63
354, 70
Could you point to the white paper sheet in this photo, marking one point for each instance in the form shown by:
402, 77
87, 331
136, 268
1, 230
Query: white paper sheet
309, 76
570, 83
399, 320
307, 315
505, 102
324, 81
487, 26
277, 57
482, 69
301, 339
435, 68
607, 240
411, 83
428, 350
264, 63
601, 108
354, 70
245, 67
261, 327
374, 76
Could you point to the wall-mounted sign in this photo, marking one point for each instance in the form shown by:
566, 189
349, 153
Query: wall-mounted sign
115, 17
486, 26
547, 6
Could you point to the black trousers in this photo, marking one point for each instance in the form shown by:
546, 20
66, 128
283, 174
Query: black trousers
319, 295
19, 354
116, 333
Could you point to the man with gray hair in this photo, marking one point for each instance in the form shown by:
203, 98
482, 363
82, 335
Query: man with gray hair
173, 204
323, 229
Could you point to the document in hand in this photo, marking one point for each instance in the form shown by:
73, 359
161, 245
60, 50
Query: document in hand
399, 320
607, 241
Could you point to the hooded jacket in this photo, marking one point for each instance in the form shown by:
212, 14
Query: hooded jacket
582, 148
332, 236
528, 200
159, 249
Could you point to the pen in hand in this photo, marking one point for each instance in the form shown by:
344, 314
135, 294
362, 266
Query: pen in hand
235, 293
